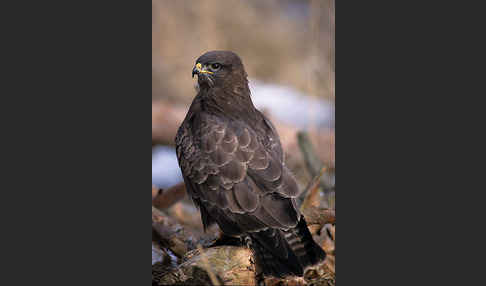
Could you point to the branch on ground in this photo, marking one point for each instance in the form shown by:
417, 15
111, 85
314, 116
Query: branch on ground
313, 162
168, 233
166, 198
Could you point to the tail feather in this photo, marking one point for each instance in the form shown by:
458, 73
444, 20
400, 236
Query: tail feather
303, 245
282, 253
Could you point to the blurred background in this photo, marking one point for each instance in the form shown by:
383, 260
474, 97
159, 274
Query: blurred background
287, 48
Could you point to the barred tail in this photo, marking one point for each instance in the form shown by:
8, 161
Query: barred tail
304, 247
283, 253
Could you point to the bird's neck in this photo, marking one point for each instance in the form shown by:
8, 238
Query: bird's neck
234, 103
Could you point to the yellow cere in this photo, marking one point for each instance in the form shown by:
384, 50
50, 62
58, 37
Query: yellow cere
199, 68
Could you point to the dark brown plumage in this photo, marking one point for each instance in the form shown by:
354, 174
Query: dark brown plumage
233, 166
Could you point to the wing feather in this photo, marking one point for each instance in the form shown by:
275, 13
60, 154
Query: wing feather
247, 199
237, 175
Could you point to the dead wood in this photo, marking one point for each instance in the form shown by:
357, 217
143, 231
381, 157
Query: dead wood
232, 265
228, 265
169, 233
165, 198
311, 195
318, 216
155, 192
187, 215
313, 162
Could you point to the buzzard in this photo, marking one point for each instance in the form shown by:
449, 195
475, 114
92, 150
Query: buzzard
233, 167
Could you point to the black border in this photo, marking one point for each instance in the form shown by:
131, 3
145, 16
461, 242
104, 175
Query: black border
408, 127
79, 161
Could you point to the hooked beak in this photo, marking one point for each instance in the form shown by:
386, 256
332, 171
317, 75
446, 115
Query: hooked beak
198, 69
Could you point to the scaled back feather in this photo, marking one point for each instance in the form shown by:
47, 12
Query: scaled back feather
233, 166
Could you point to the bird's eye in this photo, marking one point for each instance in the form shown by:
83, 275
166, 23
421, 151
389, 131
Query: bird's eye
215, 67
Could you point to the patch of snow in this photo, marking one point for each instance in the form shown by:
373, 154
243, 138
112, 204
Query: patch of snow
292, 106
165, 168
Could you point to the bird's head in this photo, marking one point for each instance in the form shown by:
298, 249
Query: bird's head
219, 68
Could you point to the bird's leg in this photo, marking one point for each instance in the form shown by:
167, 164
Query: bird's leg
261, 281
259, 277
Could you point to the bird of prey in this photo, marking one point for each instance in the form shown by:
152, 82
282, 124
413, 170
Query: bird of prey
233, 167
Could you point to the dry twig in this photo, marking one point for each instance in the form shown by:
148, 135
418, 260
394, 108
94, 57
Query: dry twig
312, 191
312, 161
